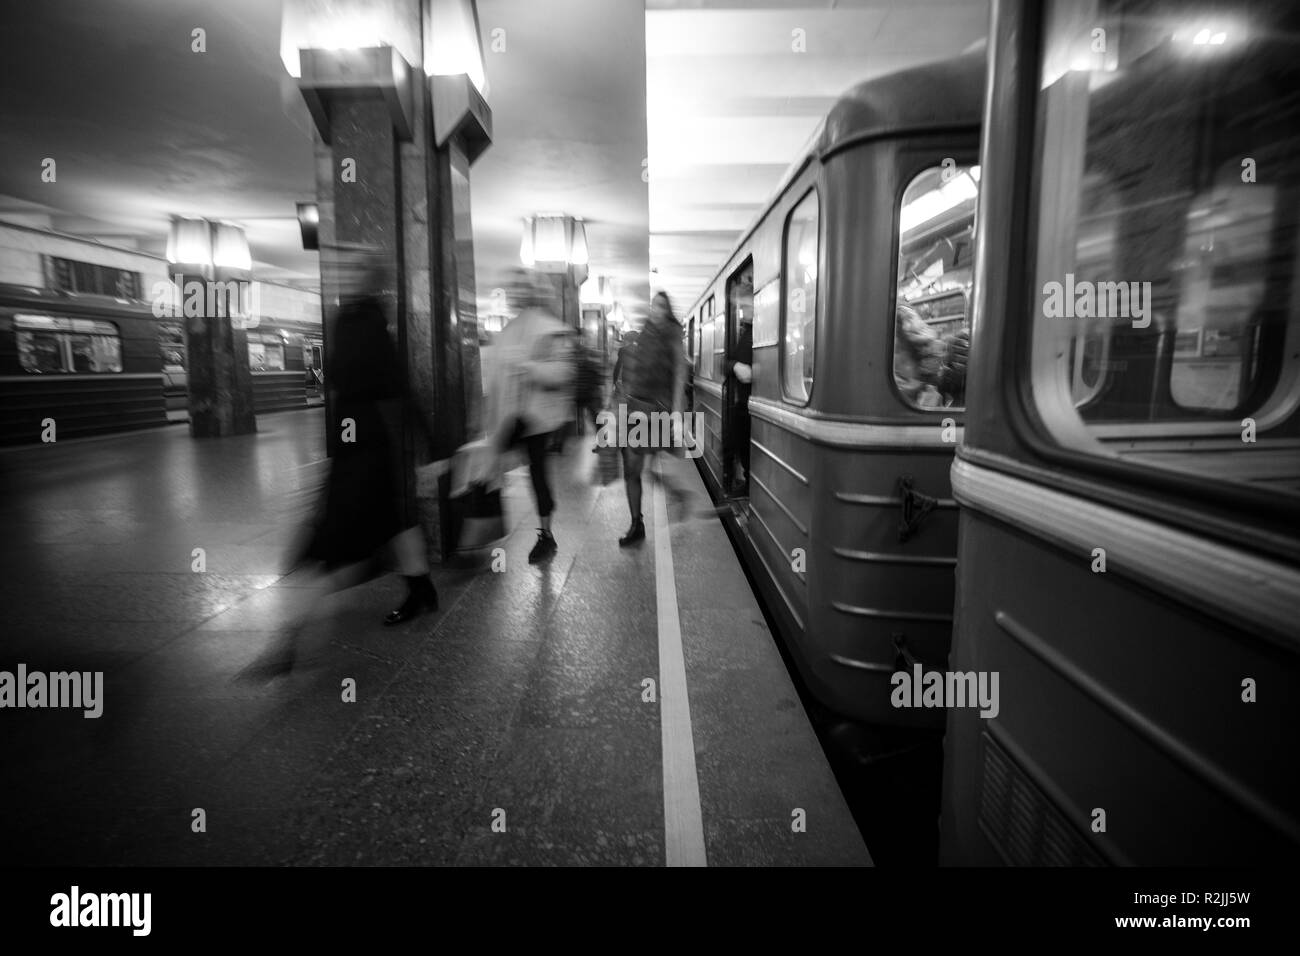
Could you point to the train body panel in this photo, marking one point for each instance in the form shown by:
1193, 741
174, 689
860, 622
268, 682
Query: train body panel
840, 461
1129, 564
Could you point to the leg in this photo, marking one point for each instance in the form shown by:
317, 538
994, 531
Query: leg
545, 546
633, 462
412, 560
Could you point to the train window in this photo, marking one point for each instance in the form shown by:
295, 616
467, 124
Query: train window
50, 344
265, 352
799, 304
1166, 296
171, 344
936, 249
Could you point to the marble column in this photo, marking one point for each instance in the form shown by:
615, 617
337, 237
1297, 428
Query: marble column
219, 380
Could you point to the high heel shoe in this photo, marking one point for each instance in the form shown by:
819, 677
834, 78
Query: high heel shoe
421, 596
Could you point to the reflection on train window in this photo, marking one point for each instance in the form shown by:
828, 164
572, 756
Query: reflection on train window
265, 352
799, 329
1166, 307
48, 344
171, 344
935, 257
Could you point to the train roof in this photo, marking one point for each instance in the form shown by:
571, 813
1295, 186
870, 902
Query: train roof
946, 94
20, 296
943, 95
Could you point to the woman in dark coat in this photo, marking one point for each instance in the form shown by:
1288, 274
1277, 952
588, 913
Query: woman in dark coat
362, 510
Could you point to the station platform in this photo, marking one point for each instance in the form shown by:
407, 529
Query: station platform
511, 727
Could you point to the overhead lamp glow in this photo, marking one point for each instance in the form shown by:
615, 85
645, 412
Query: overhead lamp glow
554, 242
451, 41
526, 245
230, 248
189, 242
578, 249
347, 25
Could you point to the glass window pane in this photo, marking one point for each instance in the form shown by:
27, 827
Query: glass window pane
39, 351
936, 251
1166, 329
800, 273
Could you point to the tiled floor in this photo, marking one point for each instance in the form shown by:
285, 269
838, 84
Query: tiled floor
518, 703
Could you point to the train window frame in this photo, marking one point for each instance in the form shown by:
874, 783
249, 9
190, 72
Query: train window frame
964, 161
814, 193
1066, 438
265, 340
710, 354
64, 329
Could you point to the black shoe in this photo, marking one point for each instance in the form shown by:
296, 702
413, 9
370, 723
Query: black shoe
544, 548
634, 534
421, 596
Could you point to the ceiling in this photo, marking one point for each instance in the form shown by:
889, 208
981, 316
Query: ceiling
711, 95
735, 92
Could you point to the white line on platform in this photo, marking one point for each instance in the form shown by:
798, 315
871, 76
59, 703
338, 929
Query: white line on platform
683, 820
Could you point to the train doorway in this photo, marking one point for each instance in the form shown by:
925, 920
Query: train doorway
735, 404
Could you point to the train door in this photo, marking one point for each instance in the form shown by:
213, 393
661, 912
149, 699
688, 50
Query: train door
735, 404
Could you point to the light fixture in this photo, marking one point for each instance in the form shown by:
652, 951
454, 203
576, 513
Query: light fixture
526, 245
578, 247
451, 42
309, 225
189, 243
554, 242
230, 251
347, 25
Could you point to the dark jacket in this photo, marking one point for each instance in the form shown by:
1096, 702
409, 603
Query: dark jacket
743, 352
362, 508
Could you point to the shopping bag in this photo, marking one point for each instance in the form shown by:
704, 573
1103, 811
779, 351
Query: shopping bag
482, 520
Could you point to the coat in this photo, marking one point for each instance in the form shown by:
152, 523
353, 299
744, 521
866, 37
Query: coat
361, 509
532, 376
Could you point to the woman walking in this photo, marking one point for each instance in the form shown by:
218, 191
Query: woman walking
651, 373
531, 395
363, 507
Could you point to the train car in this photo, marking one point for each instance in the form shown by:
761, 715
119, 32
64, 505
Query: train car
90, 363
1129, 481
854, 282
97, 364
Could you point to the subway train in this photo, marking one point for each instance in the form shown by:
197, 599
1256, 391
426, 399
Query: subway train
97, 364
1104, 529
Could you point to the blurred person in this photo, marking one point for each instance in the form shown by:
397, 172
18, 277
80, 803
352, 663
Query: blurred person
363, 505
588, 384
740, 369
929, 368
531, 392
651, 372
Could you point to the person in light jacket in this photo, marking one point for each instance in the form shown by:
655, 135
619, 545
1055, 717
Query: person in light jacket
531, 393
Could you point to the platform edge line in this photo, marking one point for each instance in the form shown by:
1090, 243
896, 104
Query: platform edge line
683, 817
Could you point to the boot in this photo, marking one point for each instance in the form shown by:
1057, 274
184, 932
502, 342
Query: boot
634, 534
544, 548
421, 595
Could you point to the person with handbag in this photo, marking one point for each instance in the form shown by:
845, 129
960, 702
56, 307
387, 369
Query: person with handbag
651, 372
531, 393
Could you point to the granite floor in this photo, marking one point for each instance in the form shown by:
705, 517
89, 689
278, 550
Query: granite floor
507, 728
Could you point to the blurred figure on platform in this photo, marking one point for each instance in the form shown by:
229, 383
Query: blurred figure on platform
530, 396
588, 384
651, 371
363, 508
740, 369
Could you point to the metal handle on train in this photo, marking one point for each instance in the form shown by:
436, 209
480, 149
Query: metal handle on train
902, 655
